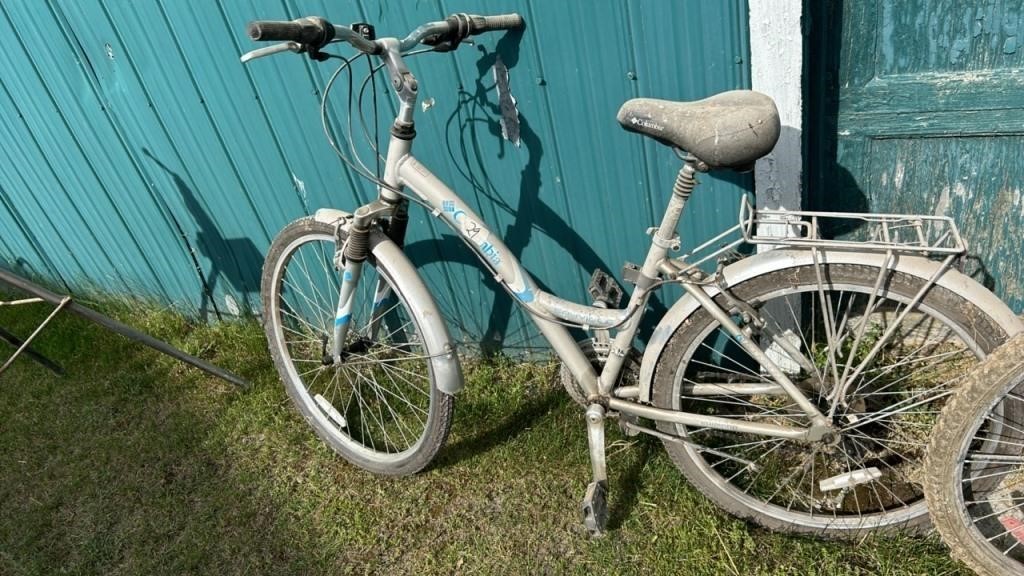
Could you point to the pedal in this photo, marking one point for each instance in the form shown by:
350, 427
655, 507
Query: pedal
595, 508
604, 289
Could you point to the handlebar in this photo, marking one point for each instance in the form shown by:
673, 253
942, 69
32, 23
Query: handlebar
314, 33
481, 24
310, 31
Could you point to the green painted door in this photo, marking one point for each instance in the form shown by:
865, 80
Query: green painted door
920, 108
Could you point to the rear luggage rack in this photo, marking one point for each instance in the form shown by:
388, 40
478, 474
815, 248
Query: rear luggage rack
906, 233
884, 233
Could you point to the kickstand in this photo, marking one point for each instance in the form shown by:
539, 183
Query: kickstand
595, 505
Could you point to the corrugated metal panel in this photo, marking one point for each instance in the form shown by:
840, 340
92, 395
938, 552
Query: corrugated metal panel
137, 147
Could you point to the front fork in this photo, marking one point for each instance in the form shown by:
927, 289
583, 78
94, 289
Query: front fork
351, 272
349, 260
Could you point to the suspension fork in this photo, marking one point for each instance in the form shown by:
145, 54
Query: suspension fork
354, 253
397, 226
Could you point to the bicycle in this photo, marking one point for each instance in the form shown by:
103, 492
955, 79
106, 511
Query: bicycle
975, 466
795, 388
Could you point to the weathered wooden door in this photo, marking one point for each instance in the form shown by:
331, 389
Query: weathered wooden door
923, 101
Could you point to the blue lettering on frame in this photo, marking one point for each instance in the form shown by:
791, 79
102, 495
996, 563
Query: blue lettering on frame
491, 252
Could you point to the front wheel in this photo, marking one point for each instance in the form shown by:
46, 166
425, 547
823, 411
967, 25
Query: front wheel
974, 475
379, 407
882, 389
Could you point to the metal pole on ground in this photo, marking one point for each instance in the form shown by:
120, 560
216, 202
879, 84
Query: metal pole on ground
65, 303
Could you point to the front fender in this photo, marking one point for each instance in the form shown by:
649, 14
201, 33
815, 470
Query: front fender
766, 262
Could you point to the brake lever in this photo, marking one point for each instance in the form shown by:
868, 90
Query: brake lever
271, 50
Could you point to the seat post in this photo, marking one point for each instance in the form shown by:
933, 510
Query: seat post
685, 180
665, 236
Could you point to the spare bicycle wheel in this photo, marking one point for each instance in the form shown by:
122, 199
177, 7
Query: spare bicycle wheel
974, 475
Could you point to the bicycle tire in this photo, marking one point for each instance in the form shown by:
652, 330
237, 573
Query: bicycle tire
985, 534
391, 428
743, 487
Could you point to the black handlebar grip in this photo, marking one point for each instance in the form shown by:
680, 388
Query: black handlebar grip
481, 24
314, 31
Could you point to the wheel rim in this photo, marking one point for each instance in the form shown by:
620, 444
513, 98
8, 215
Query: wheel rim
990, 479
890, 408
377, 402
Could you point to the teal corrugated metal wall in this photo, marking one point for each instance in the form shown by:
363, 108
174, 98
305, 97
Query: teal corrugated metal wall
141, 157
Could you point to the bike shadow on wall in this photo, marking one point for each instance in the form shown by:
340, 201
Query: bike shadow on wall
474, 119
236, 261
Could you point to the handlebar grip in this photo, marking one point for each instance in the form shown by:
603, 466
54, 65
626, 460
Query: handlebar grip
314, 31
481, 24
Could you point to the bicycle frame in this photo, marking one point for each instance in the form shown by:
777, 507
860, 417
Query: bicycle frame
920, 249
549, 312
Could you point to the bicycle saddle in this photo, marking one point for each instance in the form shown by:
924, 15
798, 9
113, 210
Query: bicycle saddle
727, 130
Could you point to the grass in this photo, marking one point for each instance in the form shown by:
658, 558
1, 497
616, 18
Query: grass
136, 464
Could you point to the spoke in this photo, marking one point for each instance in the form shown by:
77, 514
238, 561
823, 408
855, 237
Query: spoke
312, 328
312, 370
974, 478
762, 457
885, 413
380, 414
743, 370
1003, 423
766, 411
326, 261
1006, 460
976, 519
828, 317
424, 377
322, 314
1003, 533
383, 428
997, 441
381, 318
804, 465
850, 463
885, 444
318, 311
919, 359
988, 501
1016, 542
376, 361
897, 473
903, 378
750, 444
803, 338
402, 398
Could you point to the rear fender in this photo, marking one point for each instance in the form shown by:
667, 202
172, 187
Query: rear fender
773, 260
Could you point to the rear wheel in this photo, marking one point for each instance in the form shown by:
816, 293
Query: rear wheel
380, 407
974, 475
884, 408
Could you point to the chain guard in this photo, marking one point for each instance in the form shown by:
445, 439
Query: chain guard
597, 354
